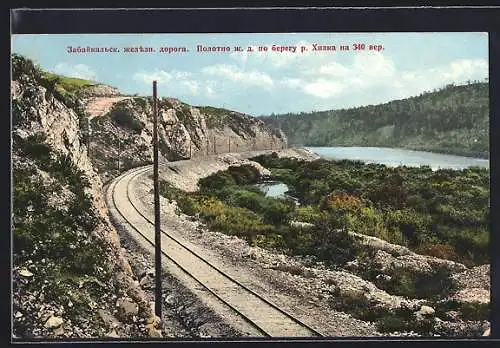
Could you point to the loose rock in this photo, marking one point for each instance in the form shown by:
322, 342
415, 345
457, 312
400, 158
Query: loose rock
53, 322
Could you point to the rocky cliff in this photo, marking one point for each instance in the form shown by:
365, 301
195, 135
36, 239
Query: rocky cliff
70, 277
123, 136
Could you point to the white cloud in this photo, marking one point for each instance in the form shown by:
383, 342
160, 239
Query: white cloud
276, 59
375, 76
209, 92
174, 81
81, 71
291, 82
457, 71
464, 68
373, 64
334, 69
323, 88
191, 85
160, 76
235, 74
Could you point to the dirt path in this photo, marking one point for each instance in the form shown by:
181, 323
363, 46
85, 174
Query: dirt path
100, 106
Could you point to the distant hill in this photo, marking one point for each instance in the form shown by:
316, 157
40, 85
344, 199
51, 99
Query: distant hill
454, 120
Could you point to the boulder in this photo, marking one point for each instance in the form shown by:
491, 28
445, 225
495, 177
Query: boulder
108, 318
25, 273
425, 312
53, 322
127, 308
112, 334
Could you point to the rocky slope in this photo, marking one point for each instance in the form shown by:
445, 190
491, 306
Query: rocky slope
70, 276
123, 136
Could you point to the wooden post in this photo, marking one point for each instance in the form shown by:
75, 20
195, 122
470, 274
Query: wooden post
89, 133
190, 148
229, 144
157, 208
119, 152
215, 144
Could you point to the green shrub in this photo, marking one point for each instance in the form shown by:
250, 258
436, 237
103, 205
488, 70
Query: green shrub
274, 210
332, 243
34, 147
433, 286
216, 181
398, 319
124, 116
188, 205
467, 311
244, 174
22, 66
357, 305
307, 213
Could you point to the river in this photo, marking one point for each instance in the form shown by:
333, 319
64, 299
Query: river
396, 157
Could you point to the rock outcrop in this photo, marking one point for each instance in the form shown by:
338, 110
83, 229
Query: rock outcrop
38, 112
124, 134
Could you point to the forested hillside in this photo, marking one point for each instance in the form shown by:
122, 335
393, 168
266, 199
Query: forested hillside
454, 119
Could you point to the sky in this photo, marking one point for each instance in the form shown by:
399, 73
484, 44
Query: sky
260, 82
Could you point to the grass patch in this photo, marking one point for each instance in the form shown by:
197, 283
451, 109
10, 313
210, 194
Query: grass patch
67, 84
215, 117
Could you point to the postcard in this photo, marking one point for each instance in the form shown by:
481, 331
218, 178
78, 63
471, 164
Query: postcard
240, 185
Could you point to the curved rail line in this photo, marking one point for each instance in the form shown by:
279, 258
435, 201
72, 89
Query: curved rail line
133, 174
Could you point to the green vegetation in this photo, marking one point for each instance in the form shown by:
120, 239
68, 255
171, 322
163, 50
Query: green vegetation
215, 117
454, 119
402, 205
432, 285
228, 202
66, 84
56, 227
442, 213
404, 319
58, 235
467, 311
22, 66
184, 114
55, 233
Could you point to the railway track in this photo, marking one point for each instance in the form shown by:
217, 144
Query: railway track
260, 313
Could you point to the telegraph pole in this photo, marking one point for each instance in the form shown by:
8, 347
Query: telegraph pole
157, 208
119, 152
89, 133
